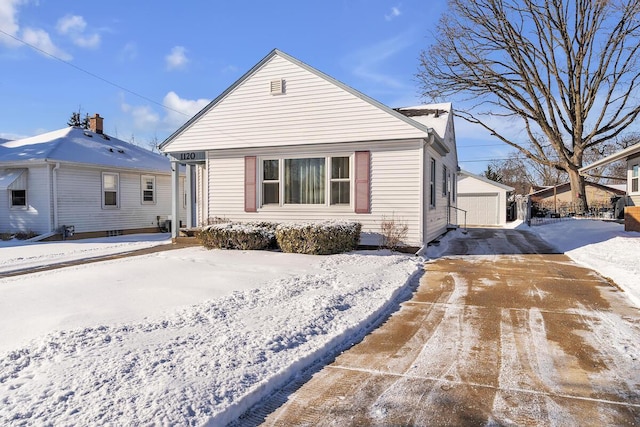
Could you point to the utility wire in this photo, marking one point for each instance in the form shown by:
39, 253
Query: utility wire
91, 74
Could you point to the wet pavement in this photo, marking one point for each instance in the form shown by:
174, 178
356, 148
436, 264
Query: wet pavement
500, 331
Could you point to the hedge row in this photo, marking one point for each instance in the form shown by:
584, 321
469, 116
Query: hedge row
317, 238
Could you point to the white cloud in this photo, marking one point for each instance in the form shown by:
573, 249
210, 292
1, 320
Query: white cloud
143, 116
177, 59
129, 52
180, 110
75, 27
41, 40
395, 12
9, 21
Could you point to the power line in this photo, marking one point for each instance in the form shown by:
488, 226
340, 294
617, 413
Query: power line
92, 74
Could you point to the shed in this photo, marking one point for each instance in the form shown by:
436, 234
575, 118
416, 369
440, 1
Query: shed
484, 200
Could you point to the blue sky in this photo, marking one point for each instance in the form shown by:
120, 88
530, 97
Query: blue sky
124, 60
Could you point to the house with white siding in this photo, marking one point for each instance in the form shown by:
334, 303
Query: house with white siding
287, 143
83, 182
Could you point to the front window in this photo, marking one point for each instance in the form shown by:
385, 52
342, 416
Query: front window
110, 190
148, 185
304, 181
340, 182
635, 176
19, 198
270, 182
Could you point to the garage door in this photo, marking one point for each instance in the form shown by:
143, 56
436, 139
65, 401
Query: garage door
482, 209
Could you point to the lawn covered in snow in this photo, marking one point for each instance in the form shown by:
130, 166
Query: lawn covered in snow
190, 336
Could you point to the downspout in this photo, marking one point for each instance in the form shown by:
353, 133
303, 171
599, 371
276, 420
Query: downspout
55, 196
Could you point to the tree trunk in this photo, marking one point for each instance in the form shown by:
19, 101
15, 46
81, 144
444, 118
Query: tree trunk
578, 193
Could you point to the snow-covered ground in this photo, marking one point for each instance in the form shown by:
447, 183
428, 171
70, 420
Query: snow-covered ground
191, 336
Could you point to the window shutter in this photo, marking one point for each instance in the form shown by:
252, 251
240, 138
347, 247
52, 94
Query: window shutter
250, 175
363, 181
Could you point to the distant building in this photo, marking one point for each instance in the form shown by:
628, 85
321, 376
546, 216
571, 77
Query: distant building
558, 198
83, 181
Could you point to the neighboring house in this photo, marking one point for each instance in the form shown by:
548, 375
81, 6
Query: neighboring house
85, 181
484, 200
288, 143
558, 198
632, 201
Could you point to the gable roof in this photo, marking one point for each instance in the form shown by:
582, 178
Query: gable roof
420, 129
622, 154
78, 146
485, 180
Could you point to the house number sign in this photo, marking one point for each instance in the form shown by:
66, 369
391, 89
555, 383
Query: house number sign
189, 156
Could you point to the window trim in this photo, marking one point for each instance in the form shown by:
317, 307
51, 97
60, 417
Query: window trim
117, 190
327, 181
635, 179
143, 188
445, 183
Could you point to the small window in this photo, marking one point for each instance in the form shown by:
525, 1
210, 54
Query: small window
445, 183
635, 176
432, 184
19, 198
148, 185
270, 182
454, 182
340, 182
110, 186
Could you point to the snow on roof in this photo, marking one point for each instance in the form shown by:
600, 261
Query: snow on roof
435, 116
79, 146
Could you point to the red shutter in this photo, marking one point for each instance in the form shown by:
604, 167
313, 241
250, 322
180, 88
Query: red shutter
363, 181
250, 172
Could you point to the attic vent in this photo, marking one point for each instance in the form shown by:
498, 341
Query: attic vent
87, 133
277, 87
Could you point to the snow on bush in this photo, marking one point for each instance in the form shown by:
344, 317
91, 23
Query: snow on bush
233, 235
319, 238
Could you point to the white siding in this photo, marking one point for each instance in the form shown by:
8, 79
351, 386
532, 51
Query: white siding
313, 110
80, 201
436, 219
35, 216
395, 188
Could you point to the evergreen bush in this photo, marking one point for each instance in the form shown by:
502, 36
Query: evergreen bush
319, 238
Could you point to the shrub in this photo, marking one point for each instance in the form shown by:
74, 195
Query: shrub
393, 233
236, 236
321, 238
6, 236
24, 235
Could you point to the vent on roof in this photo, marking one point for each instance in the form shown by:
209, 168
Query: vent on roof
277, 87
87, 133
105, 136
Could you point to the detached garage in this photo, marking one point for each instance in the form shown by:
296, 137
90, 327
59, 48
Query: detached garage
484, 200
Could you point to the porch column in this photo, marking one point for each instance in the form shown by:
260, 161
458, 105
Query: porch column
175, 200
188, 189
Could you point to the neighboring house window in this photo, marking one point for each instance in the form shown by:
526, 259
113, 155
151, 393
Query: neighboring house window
148, 184
19, 198
304, 181
432, 184
635, 176
340, 181
270, 182
445, 182
110, 186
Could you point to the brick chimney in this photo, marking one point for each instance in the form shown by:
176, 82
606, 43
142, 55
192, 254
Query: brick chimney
95, 123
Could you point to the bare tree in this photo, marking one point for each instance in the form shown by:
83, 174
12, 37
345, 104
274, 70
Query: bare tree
564, 69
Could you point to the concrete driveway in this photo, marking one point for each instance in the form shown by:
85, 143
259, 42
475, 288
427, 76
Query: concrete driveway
523, 337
